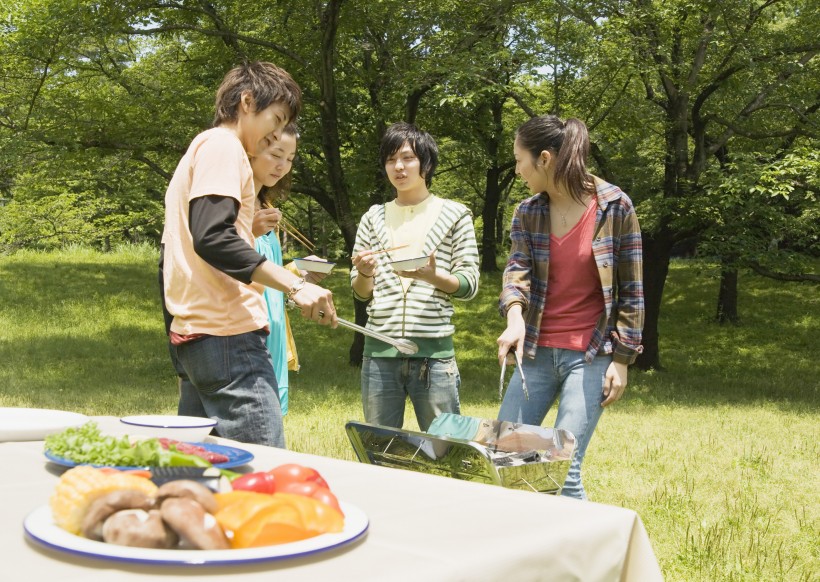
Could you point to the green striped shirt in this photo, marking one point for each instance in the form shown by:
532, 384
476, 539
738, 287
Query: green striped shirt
422, 313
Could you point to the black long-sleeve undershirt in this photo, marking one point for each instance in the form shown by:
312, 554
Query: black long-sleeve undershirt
212, 221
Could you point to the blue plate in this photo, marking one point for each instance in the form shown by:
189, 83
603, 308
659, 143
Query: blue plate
236, 457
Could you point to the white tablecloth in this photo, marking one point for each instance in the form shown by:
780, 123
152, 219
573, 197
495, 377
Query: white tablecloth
422, 527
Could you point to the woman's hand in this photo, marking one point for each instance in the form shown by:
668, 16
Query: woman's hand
513, 336
265, 220
614, 383
313, 276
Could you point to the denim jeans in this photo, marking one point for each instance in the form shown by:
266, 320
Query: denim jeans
231, 379
431, 384
579, 388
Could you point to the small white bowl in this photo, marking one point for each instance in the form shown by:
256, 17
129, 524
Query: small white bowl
409, 264
314, 265
189, 429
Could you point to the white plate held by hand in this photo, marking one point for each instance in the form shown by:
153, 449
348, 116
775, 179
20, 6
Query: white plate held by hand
409, 264
314, 265
34, 424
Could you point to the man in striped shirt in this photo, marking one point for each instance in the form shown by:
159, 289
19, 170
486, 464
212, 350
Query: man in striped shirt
412, 304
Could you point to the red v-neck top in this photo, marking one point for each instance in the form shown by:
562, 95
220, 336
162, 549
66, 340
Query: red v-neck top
574, 296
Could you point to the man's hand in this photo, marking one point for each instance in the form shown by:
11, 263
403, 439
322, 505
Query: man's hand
316, 303
365, 263
427, 273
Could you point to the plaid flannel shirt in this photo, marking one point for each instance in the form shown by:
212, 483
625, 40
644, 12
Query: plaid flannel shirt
616, 245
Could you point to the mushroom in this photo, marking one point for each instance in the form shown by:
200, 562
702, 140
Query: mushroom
138, 528
185, 488
107, 505
196, 527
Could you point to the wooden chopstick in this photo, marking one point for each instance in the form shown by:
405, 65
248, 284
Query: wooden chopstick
390, 249
292, 230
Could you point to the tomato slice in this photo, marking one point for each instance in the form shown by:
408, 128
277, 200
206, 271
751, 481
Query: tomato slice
258, 482
314, 491
293, 473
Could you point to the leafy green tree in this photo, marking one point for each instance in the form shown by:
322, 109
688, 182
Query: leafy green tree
716, 74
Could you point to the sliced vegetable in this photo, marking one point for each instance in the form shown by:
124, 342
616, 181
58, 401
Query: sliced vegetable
293, 473
313, 490
257, 519
259, 482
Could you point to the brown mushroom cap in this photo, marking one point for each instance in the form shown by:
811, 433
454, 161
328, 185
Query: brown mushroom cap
109, 504
139, 529
196, 528
185, 488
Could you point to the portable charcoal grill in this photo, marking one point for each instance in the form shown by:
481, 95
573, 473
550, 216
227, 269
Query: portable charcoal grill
512, 455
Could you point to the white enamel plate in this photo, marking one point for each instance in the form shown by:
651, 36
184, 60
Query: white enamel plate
40, 528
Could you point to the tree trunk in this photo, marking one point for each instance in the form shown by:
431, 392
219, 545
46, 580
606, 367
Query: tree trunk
329, 116
492, 191
489, 242
727, 296
657, 251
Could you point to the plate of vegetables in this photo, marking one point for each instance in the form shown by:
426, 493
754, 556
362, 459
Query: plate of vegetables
86, 445
125, 517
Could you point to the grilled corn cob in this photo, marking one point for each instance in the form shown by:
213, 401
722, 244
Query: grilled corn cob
80, 486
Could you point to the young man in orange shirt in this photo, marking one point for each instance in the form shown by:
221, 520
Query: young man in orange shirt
211, 276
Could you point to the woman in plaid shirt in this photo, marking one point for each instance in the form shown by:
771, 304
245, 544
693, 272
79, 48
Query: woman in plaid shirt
572, 291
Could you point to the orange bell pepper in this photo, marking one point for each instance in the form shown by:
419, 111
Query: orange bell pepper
259, 519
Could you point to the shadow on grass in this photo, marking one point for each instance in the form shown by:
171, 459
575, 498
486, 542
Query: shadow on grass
94, 328
125, 368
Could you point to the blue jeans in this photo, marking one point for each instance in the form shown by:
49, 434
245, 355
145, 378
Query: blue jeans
579, 387
231, 379
431, 384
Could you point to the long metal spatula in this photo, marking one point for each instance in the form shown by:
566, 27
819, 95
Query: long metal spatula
405, 346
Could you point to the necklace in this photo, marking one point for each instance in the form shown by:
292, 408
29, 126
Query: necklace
563, 215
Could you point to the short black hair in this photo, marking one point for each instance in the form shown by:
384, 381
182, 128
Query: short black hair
421, 142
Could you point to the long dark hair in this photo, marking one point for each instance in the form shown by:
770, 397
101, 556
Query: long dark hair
269, 195
568, 141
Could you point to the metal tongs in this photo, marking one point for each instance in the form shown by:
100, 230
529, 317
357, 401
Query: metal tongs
520, 371
405, 346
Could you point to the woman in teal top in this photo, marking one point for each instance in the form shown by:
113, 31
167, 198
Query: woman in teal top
269, 167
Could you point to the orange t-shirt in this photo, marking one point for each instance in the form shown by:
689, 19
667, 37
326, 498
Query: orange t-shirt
201, 298
575, 299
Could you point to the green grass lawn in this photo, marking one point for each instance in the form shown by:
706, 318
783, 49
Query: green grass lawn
718, 453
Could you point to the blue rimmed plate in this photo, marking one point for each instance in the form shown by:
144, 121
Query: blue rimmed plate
236, 457
41, 529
